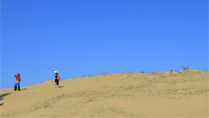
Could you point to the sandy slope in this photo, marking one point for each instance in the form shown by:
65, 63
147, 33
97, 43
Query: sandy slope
146, 95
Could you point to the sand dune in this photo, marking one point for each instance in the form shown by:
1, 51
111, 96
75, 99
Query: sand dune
141, 95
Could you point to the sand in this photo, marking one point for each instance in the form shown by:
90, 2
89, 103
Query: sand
140, 95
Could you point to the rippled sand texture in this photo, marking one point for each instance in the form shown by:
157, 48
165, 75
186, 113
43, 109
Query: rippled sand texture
141, 95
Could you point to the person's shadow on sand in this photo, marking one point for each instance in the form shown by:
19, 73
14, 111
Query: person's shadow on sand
61, 86
2, 97
23, 89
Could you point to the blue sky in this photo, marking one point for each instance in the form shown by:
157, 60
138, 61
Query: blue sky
89, 37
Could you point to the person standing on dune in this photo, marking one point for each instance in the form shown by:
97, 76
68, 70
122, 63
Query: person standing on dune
57, 78
17, 83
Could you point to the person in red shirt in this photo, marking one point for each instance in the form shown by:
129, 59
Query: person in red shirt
17, 83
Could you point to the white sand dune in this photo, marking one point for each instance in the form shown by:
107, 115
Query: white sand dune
141, 95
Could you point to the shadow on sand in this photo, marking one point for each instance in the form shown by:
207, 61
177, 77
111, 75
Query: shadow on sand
2, 97
23, 89
61, 86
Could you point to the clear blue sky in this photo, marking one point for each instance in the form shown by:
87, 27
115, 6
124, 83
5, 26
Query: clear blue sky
89, 37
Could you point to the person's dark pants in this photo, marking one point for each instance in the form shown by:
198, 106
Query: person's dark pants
57, 82
17, 86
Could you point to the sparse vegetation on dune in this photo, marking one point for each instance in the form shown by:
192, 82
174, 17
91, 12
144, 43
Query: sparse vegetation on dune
159, 94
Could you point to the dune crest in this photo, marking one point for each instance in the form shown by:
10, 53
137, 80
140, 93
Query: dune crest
181, 94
